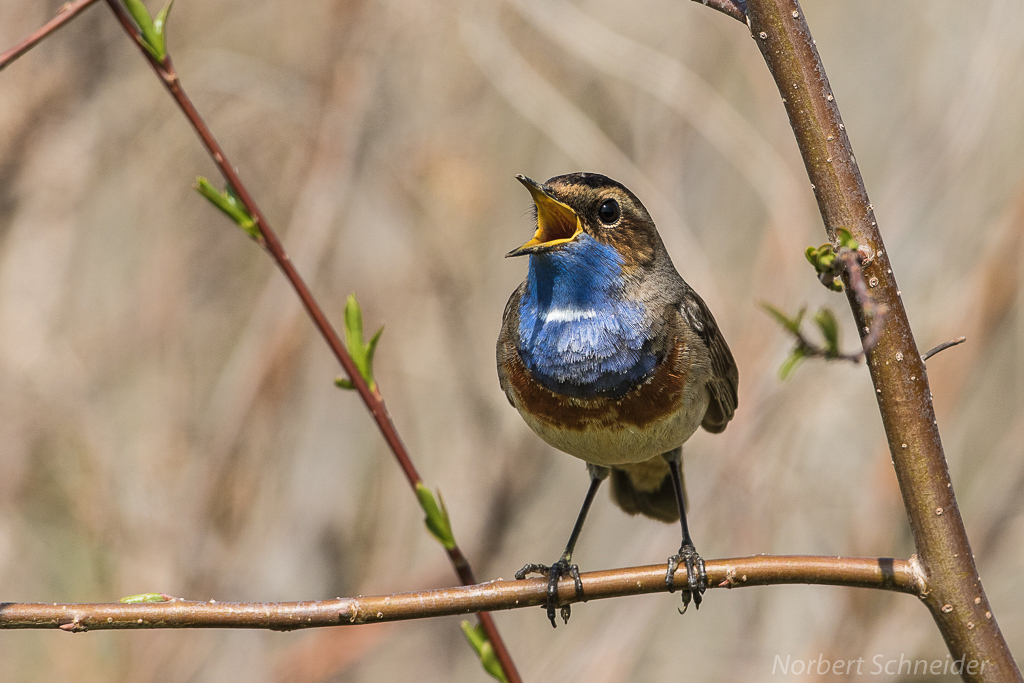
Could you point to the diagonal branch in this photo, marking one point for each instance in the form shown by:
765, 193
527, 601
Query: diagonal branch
955, 598
66, 13
737, 9
268, 239
902, 576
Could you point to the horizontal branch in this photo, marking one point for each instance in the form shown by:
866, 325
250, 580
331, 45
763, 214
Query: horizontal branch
759, 570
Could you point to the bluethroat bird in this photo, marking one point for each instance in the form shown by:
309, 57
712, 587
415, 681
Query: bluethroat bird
610, 356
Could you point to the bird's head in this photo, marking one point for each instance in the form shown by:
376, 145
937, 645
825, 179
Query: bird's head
589, 206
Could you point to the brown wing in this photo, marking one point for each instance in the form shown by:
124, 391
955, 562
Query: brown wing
506, 345
725, 376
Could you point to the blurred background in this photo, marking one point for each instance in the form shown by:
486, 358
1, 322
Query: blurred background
168, 420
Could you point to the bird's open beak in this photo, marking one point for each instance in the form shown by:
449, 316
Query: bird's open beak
557, 223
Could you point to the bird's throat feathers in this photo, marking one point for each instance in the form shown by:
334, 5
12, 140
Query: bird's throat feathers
578, 335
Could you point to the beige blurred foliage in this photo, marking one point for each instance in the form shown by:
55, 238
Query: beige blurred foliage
167, 415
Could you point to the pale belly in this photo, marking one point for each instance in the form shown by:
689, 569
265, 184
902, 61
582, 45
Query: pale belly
620, 445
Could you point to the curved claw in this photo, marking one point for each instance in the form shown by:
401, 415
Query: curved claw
696, 576
574, 572
554, 573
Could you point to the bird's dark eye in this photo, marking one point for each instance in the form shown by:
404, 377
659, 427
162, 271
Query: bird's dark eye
609, 211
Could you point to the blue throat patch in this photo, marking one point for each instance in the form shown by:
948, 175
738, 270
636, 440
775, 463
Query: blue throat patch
577, 336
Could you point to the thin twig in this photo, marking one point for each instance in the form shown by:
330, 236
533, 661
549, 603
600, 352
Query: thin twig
760, 570
66, 13
874, 312
809, 349
846, 262
269, 240
737, 9
942, 347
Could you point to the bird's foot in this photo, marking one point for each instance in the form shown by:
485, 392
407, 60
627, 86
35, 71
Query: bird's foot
696, 577
554, 573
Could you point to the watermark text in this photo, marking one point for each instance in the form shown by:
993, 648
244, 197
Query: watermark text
879, 665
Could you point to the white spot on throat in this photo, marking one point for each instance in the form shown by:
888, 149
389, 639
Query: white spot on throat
569, 314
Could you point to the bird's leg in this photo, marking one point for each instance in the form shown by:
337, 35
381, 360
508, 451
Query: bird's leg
563, 566
696, 577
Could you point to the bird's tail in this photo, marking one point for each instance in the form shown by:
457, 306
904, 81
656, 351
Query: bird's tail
646, 489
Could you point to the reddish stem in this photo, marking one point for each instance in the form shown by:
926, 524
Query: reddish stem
66, 13
269, 240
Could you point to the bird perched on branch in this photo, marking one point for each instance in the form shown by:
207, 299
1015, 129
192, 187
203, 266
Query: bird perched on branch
611, 357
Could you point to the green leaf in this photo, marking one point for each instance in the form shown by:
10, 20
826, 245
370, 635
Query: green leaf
437, 520
823, 259
826, 259
815, 256
344, 383
159, 28
145, 597
371, 348
484, 650
361, 353
229, 202
792, 325
845, 238
141, 16
829, 326
354, 330
152, 35
790, 363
